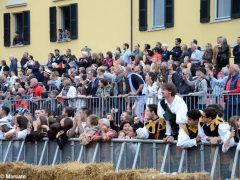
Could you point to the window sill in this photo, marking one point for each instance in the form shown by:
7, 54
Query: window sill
16, 46
221, 20
156, 29
57, 0
63, 41
15, 3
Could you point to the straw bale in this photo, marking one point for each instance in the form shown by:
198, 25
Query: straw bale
103, 171
66, 171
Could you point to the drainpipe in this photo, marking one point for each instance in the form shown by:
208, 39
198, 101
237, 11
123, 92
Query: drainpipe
131, 24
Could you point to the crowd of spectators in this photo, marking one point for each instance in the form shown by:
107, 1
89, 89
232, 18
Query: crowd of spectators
168, 87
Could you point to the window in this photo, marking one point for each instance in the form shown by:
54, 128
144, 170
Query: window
162, 12
18, 24
68, 21
223, 9
158, 13
21, 22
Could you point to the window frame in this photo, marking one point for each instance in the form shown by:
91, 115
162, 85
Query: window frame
153, 13
216, 18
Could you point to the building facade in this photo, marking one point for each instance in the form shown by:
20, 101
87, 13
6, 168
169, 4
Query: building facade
104, 24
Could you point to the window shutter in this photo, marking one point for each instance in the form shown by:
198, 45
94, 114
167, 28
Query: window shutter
53, 24
204, 11
169, 13
6, 21
235, 9
74, 21
26, 27
142, 15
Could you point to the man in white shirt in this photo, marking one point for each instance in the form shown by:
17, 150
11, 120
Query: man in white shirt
79, 122
174, 110
188, 134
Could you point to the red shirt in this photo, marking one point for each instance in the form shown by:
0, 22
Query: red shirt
158, 56
20, 104
37, 91
237, 90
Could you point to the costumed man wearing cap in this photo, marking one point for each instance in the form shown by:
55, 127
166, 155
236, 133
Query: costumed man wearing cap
155, 127
188, 134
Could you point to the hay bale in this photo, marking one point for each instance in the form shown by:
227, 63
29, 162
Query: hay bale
145, 174
66, 171
76, 170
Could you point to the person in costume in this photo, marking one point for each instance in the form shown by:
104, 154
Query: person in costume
155, 127
174, 110
188, 134
213, 129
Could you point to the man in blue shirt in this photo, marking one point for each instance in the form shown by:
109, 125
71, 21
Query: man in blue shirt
196, 58
126, 53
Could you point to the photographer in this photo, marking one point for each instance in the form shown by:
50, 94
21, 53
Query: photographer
69, 61
85, 61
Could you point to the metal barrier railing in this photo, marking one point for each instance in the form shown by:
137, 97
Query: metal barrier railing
101, 106
127, 154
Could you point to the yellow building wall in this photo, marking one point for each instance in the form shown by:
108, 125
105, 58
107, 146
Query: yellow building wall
102, 25
186, 26
105, 24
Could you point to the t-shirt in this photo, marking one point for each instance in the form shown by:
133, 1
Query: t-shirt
126, 55
37, 91
22, 134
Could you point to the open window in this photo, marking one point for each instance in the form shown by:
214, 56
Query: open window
21, 24
68, 28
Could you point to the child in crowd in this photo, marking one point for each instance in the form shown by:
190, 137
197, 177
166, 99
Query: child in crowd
93, 131
81, 101
121, 135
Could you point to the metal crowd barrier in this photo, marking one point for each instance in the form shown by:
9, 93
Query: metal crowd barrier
102, 106
128, 154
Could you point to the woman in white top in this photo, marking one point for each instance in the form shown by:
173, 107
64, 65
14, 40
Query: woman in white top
152, 88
